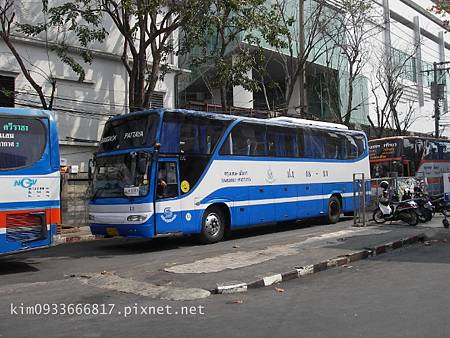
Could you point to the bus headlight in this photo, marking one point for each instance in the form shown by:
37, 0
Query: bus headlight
91, 217
136, 218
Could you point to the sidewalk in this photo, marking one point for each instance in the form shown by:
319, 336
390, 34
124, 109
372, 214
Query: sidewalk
74, 234
256, 257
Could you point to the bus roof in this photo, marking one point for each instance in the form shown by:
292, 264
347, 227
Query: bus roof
304, 122
390, 138
27, 112
280, 121
181, 111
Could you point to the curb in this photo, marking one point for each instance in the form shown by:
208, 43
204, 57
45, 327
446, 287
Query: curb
235, 287
60, 239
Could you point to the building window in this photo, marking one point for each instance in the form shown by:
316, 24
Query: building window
404, 65
7, 91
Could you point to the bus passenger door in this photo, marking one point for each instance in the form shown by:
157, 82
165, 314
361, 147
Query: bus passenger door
168, 214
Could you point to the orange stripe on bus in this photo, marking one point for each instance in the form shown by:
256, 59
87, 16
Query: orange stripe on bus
53, 215
385, 159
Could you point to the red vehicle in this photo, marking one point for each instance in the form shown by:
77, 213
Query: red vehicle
409, 156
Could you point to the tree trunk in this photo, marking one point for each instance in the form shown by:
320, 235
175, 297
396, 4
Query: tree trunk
223, 98
348, 114
24, 70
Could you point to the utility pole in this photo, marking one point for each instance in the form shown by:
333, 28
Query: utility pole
301, 53
437, 94
437, 112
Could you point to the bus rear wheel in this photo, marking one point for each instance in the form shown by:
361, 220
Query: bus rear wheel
334, 210
213, 225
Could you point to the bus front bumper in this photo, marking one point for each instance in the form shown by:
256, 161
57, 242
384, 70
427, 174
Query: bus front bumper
125, 230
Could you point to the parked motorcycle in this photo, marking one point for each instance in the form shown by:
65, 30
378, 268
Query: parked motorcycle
406, 211
425, 207
439, 205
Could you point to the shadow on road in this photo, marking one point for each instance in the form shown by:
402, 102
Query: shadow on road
109, 248
9, 267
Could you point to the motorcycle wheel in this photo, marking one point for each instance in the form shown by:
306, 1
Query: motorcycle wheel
428, 214
411, 218
378, 216
422, 215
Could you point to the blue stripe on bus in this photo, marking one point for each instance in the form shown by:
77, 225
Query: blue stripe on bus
250, 193
253, 216
9, 246
29, 205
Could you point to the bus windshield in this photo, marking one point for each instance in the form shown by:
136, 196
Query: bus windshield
121, 176
22, 141
136, 132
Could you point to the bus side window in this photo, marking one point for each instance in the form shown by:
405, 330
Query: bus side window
282, 142
314, 143
335, 146
227, 146
300, 143
241, 141
258, 142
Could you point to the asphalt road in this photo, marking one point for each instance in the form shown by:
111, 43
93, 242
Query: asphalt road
400, 294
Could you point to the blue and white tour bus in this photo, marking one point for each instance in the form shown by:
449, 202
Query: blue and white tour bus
29, 179
165, 172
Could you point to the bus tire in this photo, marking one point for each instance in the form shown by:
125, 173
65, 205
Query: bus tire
213, 225
334, 210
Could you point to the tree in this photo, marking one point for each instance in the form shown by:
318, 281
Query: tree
442, 8
149, 24
227, 44
354, 26
389, 82
306, 42
146, 27
85, 33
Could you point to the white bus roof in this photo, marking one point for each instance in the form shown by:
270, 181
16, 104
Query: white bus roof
303, 122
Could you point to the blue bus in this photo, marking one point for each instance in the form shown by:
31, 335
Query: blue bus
165, 172
29, 179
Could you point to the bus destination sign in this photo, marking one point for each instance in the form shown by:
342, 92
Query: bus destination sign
9, 134
385, 150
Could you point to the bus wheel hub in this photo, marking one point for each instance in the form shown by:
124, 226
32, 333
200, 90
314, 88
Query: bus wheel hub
212, 224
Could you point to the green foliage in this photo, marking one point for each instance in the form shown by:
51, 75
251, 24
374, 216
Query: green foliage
226, 42
81, 18
442, 7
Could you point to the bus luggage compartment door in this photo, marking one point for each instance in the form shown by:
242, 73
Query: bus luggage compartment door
287, 208
261, 205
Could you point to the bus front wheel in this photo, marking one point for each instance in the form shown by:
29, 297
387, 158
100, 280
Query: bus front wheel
213, 225
334, 210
